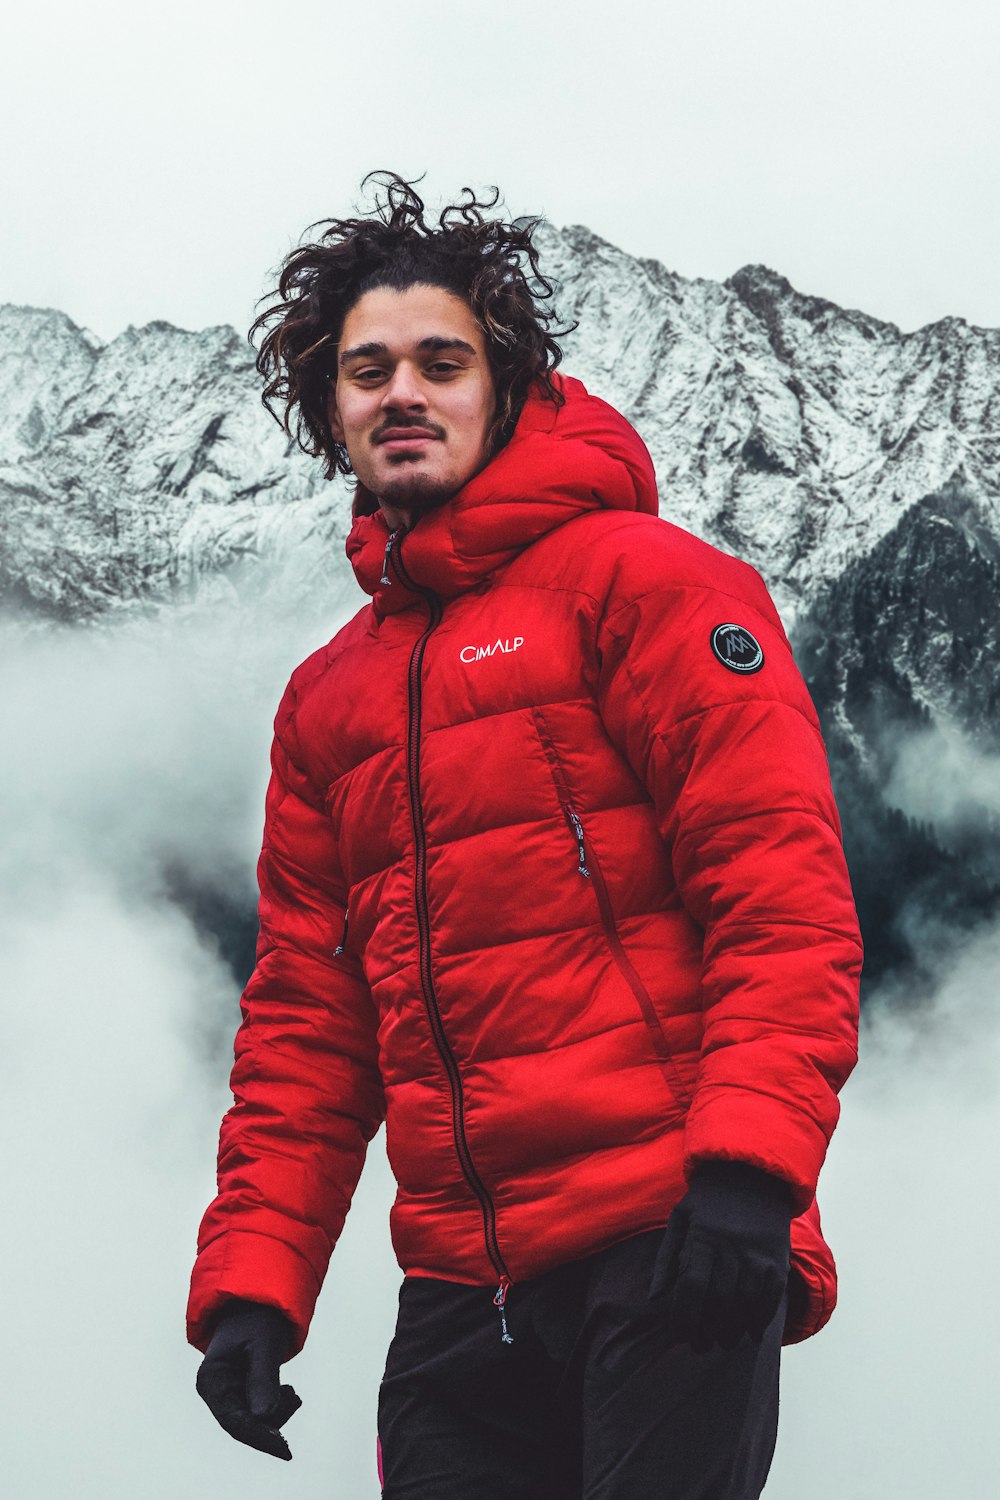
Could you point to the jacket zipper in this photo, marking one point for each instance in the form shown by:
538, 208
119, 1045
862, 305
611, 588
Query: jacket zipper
589, 866
447, 1055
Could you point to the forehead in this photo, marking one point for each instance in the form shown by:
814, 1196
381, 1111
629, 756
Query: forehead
400, 320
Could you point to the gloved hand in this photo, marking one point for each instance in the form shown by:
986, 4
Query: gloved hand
723, 1264
238, 1378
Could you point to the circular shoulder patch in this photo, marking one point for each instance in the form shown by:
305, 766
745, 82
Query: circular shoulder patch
737, 649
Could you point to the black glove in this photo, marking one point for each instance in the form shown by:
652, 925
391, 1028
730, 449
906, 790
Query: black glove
723, 1263
238, 1378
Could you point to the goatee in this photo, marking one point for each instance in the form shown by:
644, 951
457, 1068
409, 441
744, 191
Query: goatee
416, 492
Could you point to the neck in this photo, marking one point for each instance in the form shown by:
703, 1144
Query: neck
396, 517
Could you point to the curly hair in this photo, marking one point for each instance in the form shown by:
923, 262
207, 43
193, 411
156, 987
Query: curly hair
480, 259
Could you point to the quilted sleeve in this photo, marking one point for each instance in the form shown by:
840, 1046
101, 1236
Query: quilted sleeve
719, 726
306, 1087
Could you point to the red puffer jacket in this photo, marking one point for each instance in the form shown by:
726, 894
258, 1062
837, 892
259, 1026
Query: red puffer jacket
551, 879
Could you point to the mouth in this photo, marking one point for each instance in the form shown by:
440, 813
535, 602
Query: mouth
405, 439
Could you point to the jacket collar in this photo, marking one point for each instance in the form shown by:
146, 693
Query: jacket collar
560, 462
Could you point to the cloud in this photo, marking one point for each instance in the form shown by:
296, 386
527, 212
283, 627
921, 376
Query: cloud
138, 743
897, 1395
940, 776
131, 748
111, 1116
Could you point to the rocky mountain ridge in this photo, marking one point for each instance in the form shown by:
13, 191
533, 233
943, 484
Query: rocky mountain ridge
902, 656
783, 427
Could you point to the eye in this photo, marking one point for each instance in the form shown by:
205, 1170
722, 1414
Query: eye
443, 367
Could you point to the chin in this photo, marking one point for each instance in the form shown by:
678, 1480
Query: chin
417, 491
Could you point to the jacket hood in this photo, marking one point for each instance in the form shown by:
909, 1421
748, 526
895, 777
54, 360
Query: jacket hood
560, 462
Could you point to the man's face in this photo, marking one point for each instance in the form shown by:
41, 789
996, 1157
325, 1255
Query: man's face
414, 399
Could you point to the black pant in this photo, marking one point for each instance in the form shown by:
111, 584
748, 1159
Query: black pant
587, 1403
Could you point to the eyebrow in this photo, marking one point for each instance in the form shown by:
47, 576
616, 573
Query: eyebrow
435, 344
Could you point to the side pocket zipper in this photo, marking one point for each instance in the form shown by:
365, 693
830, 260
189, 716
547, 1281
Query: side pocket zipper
590, 866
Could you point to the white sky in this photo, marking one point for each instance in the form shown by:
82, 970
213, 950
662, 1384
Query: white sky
159, 159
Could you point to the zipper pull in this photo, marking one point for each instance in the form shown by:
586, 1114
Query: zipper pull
578, 830
343, 936
388, 548
500, 1303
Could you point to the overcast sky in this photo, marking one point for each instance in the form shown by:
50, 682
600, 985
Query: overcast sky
159, 159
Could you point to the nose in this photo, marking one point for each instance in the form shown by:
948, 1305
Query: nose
403, 389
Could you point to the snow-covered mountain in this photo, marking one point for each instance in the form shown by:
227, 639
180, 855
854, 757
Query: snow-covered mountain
857, 466
783, 427
144, 467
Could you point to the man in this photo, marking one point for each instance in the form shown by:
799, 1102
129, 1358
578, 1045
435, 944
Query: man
552, 882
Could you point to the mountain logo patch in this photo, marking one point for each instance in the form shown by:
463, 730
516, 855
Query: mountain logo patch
737, 649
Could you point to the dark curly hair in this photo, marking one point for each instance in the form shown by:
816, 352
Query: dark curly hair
480, 259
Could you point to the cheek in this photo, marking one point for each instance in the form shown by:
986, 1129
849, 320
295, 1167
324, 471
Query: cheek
477, 417
349, 414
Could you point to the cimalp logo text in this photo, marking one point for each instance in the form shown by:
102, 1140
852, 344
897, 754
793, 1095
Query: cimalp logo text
476, 653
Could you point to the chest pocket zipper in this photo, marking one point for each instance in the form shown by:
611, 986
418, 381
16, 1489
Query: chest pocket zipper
589, 866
